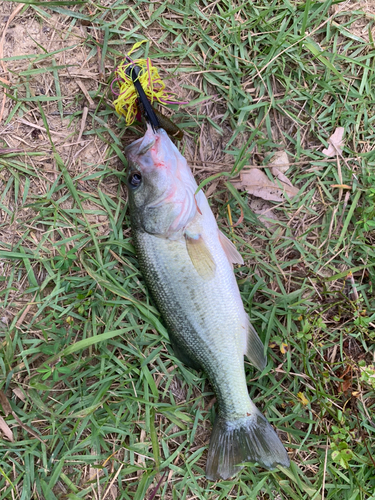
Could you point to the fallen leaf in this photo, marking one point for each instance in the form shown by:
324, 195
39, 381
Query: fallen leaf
346, 377
283, 348
283, 178
303, 398
347, 383
5, 429
19, 393
258, 184
5, 404
280, 160
341, 186
264, 210
335, 143
27, 428
212, 188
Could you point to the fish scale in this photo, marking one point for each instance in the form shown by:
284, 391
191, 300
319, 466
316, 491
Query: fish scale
187, 264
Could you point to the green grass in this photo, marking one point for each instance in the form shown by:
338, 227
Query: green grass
85, 361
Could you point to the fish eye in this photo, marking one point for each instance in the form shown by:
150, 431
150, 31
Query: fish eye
135, 179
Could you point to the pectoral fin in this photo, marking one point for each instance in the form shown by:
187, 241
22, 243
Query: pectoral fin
230, 250
200, 256
254, 348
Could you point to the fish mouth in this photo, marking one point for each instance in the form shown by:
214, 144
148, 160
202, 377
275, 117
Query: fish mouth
142, 145
139, 147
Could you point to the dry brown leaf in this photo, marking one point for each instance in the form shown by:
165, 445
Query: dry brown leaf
5, 429
335, 143
264, 212
258, 184
5, 404
27, 428
283, 178
212, 188
347, 383
280, 160
19, 393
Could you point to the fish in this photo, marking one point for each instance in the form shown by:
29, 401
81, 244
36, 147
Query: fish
187, 264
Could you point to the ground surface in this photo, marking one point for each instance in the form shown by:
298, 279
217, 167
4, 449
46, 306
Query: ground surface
93, 404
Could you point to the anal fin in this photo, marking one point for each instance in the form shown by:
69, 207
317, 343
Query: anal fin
254, 348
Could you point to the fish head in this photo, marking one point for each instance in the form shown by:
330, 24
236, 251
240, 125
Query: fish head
160, 184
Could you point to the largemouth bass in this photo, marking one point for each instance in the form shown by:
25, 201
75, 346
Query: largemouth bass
187, 264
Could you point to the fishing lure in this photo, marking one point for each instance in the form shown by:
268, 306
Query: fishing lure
140, 86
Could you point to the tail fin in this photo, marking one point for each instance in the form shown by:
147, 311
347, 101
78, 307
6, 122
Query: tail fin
248, 439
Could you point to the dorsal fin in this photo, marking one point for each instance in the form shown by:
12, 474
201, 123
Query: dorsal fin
200, 256
230, 250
